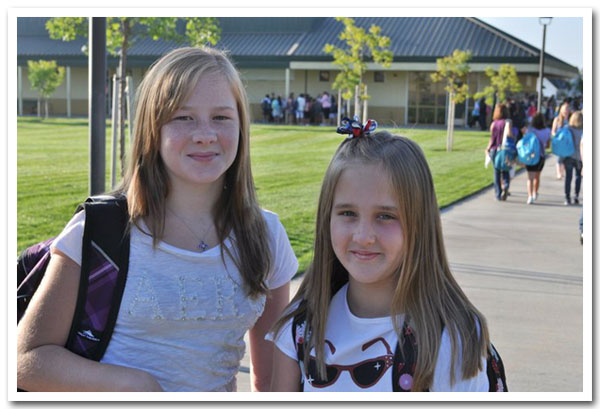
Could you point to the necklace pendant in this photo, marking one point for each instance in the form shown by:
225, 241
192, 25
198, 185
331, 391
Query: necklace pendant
202, 246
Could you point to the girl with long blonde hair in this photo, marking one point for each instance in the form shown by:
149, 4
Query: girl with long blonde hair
206, 263
561, 120
379, 275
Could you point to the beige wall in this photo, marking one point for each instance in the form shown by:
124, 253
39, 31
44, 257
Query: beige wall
386, 105
79, 86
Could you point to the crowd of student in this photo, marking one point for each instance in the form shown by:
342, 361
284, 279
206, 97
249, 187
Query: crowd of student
523, 117
303, 109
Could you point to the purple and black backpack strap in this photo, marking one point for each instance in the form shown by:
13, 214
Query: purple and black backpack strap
31, 266
405, 359
495, 371
104, 263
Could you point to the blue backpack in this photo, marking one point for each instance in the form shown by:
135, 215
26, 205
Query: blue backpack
528, 149
505, 155
562, 143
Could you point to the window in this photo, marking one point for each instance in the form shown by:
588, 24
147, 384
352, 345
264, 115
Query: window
379, 76
324, 76
426, 100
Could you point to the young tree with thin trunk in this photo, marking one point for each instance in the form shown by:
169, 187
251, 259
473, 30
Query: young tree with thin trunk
121, 35
453, 70
352, 59
45, 77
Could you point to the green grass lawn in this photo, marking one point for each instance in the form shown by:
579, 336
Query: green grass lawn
288, 163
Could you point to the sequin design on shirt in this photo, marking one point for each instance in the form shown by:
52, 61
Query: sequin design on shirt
215, 297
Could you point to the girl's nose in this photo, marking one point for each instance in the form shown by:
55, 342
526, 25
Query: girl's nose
203, 133
364, 234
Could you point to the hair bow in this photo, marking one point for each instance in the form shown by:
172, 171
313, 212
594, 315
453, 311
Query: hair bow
355, 129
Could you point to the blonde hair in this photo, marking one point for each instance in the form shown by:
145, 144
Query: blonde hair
576, 120
561, 115
426, 292
146, 183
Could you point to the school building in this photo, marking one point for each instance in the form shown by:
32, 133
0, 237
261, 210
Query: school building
285, 54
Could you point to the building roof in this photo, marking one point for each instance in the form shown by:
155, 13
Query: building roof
276, 41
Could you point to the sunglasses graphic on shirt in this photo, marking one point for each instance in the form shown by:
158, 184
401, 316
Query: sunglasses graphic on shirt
364, 374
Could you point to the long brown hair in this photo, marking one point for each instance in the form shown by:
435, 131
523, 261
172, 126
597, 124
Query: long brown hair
500, 112
146, 183
426, 292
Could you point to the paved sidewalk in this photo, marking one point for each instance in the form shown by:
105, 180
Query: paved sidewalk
522, 266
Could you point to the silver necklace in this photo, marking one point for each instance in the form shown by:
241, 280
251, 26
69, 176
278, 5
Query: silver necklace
202, 244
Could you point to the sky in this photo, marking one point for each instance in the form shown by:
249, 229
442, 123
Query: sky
564, 35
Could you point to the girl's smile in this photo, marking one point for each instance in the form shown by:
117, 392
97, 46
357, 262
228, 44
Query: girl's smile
203, 156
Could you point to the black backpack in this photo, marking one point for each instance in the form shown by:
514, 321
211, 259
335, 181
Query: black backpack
405, 358
104, 263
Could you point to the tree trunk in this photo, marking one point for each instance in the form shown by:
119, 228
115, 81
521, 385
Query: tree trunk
365, 108
46, 108
121, 104
340, 104
449, 141
356, 101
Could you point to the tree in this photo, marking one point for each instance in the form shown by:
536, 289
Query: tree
453, 69
504, 80
45, 77
123, 32
360, 44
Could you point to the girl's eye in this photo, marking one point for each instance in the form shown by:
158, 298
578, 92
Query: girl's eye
183, 118
347, 213
221, 117
386, 216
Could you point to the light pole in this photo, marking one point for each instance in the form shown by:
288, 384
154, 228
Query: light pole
544, 21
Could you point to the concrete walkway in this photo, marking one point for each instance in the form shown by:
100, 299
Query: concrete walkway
522, 267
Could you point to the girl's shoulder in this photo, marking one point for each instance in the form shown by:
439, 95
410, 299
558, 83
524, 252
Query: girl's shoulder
275, 228
442, 380
70, 239
285, 263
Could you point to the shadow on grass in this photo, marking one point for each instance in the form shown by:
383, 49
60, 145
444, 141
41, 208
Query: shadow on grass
52, 122
453, 150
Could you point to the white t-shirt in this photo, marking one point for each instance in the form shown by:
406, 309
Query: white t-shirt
301, 103
347, 334
183, 315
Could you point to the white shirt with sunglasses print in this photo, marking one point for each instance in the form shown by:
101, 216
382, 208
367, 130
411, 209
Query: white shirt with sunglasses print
361, 350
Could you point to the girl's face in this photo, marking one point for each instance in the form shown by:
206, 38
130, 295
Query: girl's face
200, 140
366, 233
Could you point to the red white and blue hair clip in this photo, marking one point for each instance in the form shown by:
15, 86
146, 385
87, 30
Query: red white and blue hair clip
354, 129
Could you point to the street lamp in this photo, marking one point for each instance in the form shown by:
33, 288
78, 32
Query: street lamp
544, 21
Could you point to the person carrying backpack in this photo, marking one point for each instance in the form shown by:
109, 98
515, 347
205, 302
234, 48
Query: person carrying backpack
205, 262
573, 163
542, 133
559, 121
378, 309
500, 125
265, 106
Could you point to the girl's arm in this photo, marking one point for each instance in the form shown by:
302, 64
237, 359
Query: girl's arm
487, 150
43, 363
554, 126
261, 350
286, 373
509, 122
